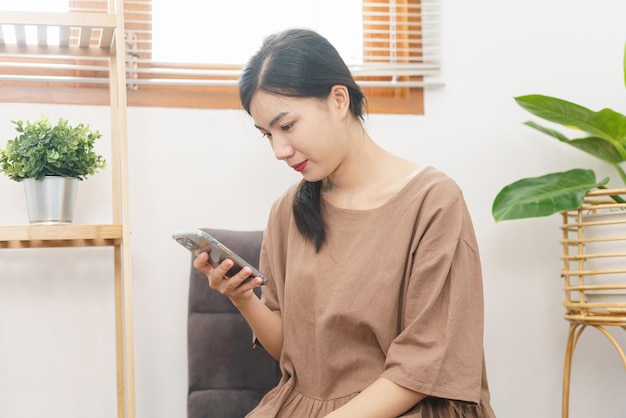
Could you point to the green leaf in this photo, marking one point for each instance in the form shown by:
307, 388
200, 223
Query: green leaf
544, 195
606, 123
598, 147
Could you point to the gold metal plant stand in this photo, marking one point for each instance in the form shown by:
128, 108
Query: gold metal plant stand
594, 295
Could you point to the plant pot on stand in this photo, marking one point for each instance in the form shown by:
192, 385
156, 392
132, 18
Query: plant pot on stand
50, 160
594, 271
51, 200
594, 237
594, 245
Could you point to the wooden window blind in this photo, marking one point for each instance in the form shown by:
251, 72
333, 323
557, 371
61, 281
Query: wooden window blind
400, 57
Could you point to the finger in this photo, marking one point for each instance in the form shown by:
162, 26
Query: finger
236, 280
203, 263
253, 283
216, 278
222, 269
244, 281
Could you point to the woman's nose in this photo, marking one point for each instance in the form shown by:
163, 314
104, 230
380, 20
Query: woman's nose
282, 148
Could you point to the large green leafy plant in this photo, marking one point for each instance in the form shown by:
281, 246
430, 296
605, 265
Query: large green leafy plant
42, 149
556, 192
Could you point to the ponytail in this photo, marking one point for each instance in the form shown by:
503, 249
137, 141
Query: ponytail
307, 213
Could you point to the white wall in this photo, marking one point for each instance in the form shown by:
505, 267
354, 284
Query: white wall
210, 168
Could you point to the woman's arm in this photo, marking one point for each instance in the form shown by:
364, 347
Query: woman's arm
265, 324
382, 399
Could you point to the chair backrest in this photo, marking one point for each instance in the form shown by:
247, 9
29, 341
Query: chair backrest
227, 376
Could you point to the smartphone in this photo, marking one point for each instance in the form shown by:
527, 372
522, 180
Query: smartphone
197, 241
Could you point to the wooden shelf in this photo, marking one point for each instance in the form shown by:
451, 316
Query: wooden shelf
94, 20
85, 23
46, 236
84, 40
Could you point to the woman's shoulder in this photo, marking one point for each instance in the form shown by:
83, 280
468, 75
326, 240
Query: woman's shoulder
435, 175
431, 180
432, 192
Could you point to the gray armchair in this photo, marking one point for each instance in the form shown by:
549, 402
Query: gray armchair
227, 376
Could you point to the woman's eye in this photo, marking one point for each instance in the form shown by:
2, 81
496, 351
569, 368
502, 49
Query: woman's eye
267, 135
287, 127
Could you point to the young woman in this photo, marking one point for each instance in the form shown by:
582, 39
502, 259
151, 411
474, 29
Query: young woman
374, 306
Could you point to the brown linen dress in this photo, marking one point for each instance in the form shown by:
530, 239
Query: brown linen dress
395, 292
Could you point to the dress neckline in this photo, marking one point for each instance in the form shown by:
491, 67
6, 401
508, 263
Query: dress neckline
413, 177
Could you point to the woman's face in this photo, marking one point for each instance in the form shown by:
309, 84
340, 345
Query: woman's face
306, 133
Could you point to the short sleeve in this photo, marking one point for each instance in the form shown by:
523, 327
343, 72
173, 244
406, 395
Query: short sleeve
439, 350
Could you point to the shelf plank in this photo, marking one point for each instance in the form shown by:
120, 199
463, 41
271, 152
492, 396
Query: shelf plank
78, 20
53, 52
46, 236
84, 23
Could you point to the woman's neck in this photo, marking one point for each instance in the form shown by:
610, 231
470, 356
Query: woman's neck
368, 177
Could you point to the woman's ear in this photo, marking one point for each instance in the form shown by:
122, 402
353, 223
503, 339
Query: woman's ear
339, 99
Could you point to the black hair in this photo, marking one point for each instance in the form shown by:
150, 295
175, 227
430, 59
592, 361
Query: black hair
301, 63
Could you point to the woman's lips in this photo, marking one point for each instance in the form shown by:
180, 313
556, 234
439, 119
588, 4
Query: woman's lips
300, 166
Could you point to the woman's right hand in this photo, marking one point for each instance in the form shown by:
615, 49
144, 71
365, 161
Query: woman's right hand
265, 324
233, 287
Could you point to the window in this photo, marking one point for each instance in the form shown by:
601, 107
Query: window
394, 54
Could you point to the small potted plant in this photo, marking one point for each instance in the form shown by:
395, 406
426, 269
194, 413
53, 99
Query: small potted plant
588, 220
50, 160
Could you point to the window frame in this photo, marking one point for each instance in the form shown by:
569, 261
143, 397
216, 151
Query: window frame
404, 100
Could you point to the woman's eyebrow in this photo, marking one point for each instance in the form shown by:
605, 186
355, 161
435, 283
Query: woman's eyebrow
275, 120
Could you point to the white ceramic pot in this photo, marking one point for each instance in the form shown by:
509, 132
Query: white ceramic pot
51, 200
